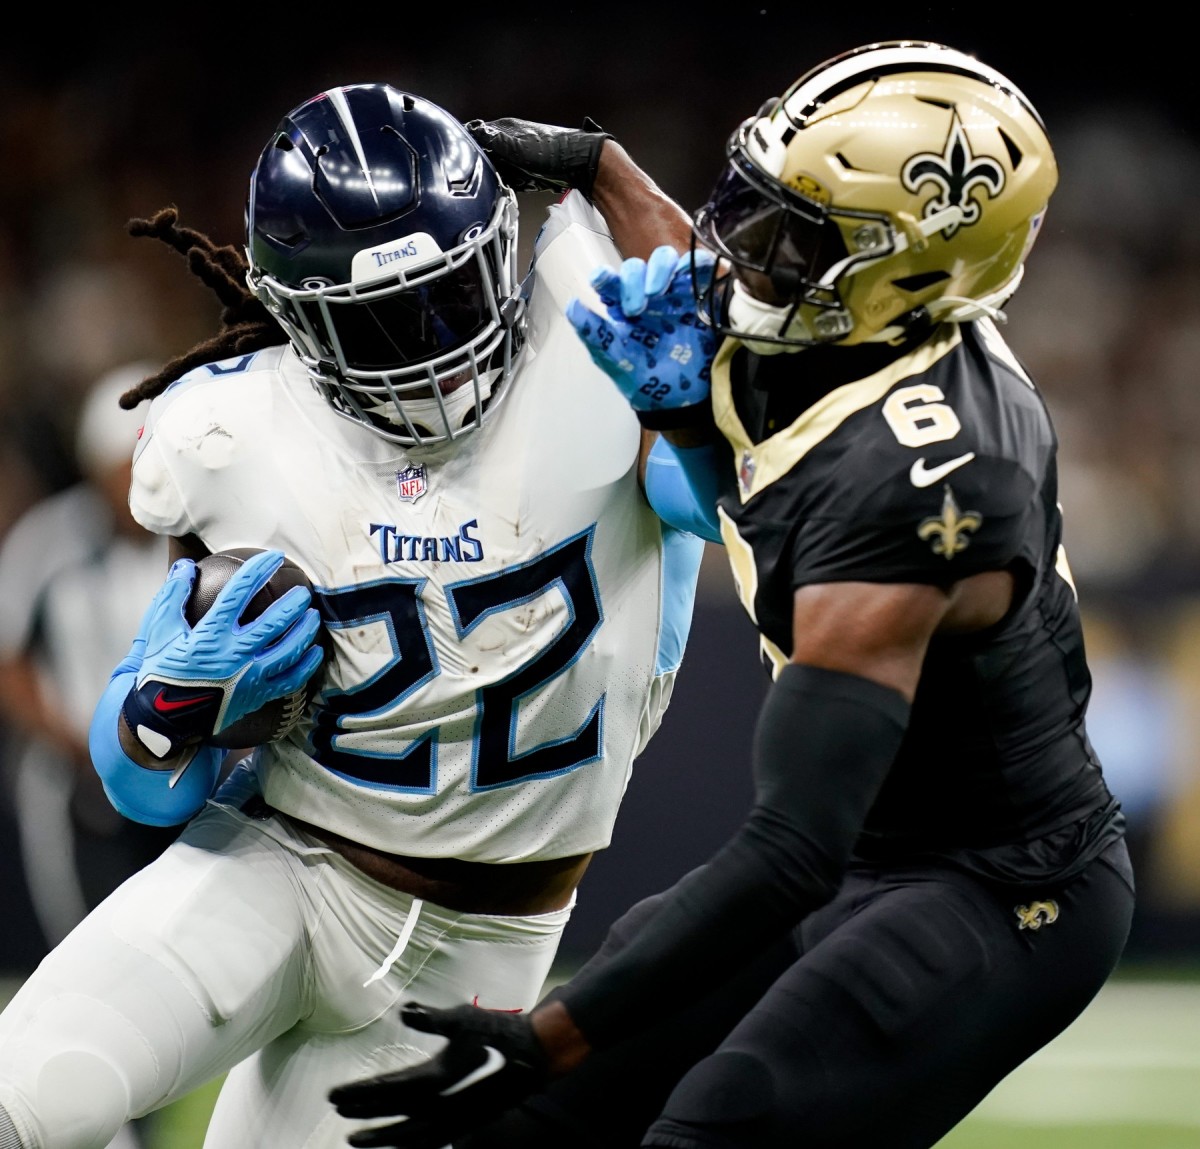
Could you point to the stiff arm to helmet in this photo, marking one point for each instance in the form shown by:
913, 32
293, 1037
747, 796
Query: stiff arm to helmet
532, 156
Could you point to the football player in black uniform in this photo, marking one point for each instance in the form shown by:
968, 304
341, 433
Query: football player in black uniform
932, 837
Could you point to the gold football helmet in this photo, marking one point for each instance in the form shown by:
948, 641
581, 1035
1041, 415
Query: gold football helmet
903, 181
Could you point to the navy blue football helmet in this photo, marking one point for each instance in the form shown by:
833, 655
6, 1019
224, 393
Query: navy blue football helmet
381, 238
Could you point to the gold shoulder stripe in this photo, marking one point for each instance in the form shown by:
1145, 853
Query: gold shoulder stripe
760, 465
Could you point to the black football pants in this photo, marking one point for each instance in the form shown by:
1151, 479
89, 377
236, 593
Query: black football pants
901, 1005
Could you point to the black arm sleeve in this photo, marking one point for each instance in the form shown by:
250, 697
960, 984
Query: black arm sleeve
823, 745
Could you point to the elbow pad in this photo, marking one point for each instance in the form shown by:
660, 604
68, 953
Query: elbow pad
141, 793
682, 484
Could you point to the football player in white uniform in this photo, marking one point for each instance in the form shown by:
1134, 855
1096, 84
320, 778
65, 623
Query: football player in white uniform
393, 407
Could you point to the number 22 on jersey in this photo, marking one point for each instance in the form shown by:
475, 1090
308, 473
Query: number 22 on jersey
397, 604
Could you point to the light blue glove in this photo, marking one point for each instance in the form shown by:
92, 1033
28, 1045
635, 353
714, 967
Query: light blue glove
651, 342
194, 682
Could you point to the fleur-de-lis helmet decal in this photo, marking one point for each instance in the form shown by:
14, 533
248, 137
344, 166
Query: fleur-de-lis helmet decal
898, 183
957, 175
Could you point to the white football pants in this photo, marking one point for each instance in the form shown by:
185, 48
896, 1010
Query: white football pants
251, 948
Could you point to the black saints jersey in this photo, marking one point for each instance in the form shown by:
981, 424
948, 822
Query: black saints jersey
927, 468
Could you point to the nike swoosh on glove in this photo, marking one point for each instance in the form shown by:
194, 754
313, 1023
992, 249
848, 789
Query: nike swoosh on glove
650, 342
491, 1062
193, 682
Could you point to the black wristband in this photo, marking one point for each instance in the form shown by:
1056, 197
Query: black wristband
531, 156
676, 418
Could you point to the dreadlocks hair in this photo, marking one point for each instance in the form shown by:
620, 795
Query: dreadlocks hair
246, 325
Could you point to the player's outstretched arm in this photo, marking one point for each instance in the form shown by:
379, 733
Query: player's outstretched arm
179, 685
661, 359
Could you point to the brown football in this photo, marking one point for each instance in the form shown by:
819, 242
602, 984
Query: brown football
276, 718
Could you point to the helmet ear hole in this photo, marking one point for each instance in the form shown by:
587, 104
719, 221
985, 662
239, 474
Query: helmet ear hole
288, 240
1014, 152
921, 282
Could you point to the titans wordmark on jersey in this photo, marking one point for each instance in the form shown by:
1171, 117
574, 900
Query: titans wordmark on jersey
924, 469
496, 603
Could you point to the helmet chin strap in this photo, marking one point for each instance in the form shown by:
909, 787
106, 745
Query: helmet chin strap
956, 309
959, 309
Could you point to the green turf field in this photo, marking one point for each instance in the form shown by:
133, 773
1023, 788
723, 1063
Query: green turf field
1126, 1075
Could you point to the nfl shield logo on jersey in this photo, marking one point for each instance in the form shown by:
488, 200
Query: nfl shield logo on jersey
410, 483
746, 472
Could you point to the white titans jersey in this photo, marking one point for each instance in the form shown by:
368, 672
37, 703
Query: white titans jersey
495, 603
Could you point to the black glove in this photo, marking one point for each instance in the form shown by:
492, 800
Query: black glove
542, 157
492, 1062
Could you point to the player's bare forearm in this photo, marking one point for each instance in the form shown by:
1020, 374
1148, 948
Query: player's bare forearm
640, 215
565, 1045
699, 435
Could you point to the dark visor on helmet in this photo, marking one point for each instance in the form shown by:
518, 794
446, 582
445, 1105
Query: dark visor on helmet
759, 225
409, 325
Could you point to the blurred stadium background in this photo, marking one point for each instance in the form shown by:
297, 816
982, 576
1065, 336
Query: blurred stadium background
126, 117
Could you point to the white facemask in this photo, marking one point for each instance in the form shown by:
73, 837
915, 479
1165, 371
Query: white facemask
750, 317
427, 413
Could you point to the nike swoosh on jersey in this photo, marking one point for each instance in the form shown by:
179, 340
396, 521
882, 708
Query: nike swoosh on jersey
165, 705
922, 476
494, 1062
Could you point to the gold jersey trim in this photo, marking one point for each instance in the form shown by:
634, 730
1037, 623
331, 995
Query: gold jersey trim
745, 581
761, 464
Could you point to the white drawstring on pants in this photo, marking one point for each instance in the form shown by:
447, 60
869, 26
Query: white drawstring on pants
410, 924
